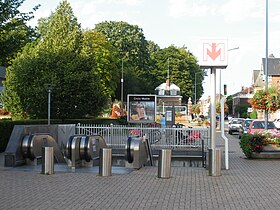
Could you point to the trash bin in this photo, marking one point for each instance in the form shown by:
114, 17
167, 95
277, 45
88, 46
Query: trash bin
164, 163
47, 160
105, 162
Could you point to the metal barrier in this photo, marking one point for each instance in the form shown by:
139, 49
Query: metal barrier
173, 138
187, 144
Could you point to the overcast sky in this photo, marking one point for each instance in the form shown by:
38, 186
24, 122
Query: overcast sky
186, 22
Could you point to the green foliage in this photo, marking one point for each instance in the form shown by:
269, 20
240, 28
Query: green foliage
218, 107
65, 59
266, 100
133, 53
245, 145
254, 143
102, 56
254, 114
229, 102
182, 67
242, 110
13, 29
195, 109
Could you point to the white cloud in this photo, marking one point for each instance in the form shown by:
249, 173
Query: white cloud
275, 18
237, 10
180, 8
110, 2
92, 13
231, 10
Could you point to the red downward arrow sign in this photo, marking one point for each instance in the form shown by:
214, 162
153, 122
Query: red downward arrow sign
214, 54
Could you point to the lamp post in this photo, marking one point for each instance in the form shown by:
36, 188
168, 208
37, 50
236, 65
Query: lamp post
49, 89
195, 85
122, 90
266, 63
220, 93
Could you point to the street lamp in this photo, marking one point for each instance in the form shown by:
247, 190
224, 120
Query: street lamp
196, 84
49, 88
122, 90
266, 63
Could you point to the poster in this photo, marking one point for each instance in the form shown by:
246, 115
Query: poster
141, 108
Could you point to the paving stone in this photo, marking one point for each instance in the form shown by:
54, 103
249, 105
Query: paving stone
248, 184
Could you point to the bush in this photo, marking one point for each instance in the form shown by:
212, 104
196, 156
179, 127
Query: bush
255, 143
245, 145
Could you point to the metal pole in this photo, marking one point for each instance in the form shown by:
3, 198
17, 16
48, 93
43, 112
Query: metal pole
220, 93
49, 106
266, 63
222, 101
122, 90
194, 88
213, 121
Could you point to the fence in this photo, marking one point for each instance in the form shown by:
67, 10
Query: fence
175, 138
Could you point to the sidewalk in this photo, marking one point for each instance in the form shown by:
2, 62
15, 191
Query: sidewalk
248, 184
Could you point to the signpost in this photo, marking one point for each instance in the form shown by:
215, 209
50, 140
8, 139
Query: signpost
214, 55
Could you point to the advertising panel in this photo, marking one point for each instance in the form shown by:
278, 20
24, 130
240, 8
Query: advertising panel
141, 108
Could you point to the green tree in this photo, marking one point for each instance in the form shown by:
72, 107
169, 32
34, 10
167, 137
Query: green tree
103, 57
14, 31
133, 56
65, 59
182, 67
242, 110
229, 102
218, 107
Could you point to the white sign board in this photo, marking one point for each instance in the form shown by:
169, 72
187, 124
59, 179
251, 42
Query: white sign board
214, 53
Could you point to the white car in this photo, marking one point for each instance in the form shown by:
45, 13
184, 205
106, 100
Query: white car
277, 123
234, 125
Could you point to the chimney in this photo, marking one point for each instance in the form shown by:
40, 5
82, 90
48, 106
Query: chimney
167, 87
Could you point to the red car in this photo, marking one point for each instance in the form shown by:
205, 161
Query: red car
258, 125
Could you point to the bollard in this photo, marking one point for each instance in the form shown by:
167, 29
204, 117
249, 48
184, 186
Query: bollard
105, 162
47, 160
164, 164
218, 162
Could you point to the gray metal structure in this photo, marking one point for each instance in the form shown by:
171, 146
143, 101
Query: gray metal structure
27, 146
136, 152
82, 150
26, 141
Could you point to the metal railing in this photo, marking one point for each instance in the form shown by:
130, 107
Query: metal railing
175, 138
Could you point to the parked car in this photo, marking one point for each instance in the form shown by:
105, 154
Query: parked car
244, 127
234, 124
277, 123
258, 125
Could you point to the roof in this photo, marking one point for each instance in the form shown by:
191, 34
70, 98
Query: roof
2, 72
164, 87
247, 90
273, 66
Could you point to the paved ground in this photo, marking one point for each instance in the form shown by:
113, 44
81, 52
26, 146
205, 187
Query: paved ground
248, 184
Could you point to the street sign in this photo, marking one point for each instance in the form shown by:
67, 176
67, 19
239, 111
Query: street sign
214, 53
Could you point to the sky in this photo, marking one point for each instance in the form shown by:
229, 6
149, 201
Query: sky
186, 23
